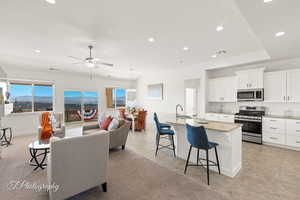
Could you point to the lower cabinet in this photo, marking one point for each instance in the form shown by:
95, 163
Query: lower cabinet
293, 133
280, 131
219, 117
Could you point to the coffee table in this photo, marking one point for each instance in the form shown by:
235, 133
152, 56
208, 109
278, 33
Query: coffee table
4, 139
36, 150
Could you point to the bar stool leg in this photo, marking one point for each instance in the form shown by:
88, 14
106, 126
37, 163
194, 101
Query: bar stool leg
207, 167
197, 156
188, 158
157, 143
173, 146
217, 160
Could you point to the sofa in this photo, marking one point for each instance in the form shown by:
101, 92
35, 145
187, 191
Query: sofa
117, 137
77, 164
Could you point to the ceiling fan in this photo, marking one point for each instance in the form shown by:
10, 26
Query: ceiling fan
90, 61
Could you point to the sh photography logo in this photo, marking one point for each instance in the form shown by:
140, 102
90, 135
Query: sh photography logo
26, 185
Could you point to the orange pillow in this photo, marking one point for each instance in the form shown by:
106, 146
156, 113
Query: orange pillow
106, 122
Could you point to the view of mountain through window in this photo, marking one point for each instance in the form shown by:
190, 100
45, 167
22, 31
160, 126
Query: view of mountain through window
21, 97
43, 95
31, 97
80, 105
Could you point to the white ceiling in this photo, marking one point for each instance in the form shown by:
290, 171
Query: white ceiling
266, 19
119, 31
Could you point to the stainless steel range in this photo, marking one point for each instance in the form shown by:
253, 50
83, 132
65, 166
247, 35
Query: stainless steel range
251, 118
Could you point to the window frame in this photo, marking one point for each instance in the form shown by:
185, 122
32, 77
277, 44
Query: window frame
32, 83
114, 102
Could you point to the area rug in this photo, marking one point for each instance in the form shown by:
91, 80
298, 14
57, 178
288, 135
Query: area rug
131, 177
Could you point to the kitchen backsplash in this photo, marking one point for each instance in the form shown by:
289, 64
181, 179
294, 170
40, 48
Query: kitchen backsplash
284, 109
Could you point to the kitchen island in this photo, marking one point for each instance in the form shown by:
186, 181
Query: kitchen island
227, 135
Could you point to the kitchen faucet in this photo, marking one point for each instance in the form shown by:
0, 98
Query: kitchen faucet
180, 106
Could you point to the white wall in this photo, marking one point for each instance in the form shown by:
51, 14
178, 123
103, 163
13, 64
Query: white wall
174, 91
26, 123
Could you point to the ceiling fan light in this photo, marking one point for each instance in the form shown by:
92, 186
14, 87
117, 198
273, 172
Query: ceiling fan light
90, 65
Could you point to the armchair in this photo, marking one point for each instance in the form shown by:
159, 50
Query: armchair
58, 131
75, 174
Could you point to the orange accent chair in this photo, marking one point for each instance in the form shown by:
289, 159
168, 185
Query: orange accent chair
46, 128
140, 122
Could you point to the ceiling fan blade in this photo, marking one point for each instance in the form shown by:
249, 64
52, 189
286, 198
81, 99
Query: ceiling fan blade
77, 63
76, 58
106, 64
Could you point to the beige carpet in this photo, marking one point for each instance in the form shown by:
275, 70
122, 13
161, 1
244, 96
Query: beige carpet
131, 177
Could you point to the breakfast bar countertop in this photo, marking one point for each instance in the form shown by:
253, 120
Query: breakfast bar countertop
210, 125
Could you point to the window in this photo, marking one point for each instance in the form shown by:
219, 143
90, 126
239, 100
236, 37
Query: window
21, 97
80, 106
72, 106
115, 97
43, 95
27, 97
119, 97
90, 105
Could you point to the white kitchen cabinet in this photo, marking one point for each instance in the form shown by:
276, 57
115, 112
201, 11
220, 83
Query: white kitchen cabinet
250, 79
293, 86
285, 132
293, 133
282, 86
274, 130
219, 117
275, 86
212, 90
222, 89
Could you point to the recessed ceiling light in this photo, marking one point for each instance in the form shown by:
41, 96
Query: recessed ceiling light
214, 56
51, 1
151, 39
185, 48
267, 1
37, 51
219, 28
280, 34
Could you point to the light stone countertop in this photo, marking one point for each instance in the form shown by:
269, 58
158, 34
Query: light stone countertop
210, 125
283, 117
221, 113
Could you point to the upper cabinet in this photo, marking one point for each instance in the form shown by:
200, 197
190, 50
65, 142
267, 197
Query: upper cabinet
275, 86
282, 86
250, 79
222, 89
293, 86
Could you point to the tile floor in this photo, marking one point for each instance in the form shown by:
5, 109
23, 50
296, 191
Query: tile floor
268, 173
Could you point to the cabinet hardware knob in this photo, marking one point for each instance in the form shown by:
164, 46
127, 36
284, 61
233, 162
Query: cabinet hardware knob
273, 120
298, 142
273, 128
274, 138
297, 130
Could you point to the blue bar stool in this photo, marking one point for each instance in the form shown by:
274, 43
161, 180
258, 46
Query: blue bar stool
164, 131
197, 138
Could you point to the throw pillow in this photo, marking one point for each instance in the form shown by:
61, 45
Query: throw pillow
114, 124
53, 122
101, 118
106, 123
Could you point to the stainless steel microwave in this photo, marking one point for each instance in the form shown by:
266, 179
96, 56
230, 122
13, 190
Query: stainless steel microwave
250, 95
